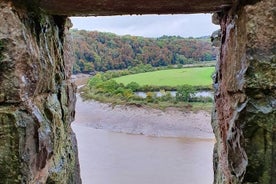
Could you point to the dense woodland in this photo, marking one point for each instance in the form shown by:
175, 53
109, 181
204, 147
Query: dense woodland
97, 51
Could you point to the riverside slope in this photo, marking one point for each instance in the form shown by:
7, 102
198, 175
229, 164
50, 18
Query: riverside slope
145, 121
141, 120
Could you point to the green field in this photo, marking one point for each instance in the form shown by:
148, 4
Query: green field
200, 76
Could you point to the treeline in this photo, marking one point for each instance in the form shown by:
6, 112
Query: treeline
97, 51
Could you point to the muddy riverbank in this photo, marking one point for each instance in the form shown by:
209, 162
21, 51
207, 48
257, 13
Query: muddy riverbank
119, 158
143, 120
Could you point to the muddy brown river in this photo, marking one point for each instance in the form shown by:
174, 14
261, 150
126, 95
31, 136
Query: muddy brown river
118, 158
108, 157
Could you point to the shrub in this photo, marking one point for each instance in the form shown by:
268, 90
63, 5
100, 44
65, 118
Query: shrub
134, 86
166, 96
201, 99
119, 90
150, 97
128, 94
110, 86
95, 81
185, 93
179, 66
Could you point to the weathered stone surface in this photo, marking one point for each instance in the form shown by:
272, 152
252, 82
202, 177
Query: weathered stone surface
121, 7
244, 120
216, 38
37, 99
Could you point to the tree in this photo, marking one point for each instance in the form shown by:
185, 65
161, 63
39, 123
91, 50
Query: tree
109, 86
88, 67
180, 59
108, 51
95, 81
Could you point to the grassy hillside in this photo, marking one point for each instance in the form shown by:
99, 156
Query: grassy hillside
200, 76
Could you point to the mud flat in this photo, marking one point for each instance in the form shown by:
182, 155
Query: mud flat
143, 120
80, 79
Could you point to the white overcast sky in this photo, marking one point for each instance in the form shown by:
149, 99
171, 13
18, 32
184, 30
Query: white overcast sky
194, 25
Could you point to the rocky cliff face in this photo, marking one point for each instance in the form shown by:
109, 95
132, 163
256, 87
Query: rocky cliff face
37, 99
244, 120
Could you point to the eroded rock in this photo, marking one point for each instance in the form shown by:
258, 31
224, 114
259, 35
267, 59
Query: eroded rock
245, 117
37, 99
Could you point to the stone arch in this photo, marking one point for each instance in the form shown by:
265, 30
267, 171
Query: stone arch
37, 99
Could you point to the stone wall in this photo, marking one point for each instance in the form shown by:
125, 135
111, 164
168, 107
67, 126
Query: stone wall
37, 99
244, 119
122, 7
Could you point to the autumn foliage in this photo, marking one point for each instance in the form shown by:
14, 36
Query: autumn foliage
97, 51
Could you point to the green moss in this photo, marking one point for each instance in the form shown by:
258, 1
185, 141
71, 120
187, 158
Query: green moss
9, 161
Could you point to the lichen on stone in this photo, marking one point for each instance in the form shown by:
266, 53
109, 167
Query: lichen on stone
244, 120
36, 99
